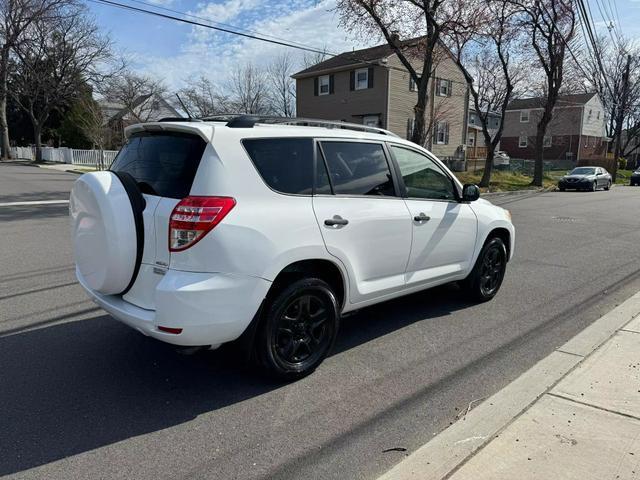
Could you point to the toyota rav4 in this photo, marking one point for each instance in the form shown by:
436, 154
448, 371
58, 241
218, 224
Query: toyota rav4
203, 232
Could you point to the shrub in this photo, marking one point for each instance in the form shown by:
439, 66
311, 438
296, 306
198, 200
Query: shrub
622, 163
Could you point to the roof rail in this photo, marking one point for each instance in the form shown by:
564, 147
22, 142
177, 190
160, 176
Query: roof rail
248, 121
179, 119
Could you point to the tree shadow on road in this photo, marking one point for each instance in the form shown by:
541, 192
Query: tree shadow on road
73, 387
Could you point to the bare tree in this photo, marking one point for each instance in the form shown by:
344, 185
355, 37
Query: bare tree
551, 28
136, 93
249, 91
310, 59
485, 54
610, 87
282, 87
398, 19
16, 17
203, 98
60, 56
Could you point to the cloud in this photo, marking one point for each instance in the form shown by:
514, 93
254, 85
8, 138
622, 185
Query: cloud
214, 54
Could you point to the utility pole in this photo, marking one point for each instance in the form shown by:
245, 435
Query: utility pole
622, 107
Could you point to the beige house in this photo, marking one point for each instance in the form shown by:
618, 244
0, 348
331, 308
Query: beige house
372, 87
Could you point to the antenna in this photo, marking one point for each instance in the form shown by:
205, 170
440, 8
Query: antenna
184, 107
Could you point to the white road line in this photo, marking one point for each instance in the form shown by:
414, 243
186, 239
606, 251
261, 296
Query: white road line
35, 202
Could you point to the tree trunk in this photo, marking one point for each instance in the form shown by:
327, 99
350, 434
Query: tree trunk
538, 166
4, 126
419, 135
488, 166
37, 136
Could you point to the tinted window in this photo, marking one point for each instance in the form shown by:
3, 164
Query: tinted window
163, 164
285, 164
358, 168
422, 177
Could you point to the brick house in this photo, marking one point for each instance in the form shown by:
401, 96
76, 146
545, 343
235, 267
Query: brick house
575, 135
372, 87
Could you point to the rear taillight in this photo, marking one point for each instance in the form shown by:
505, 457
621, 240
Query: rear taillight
194, 217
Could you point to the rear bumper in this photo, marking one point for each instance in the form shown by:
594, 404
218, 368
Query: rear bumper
210, 308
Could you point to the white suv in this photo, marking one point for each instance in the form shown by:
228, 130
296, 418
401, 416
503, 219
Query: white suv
204, 232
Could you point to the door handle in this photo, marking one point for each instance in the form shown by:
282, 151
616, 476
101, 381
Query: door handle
336, 220
422, 217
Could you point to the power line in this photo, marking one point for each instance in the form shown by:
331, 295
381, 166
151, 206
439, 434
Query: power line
212, 27
234, 27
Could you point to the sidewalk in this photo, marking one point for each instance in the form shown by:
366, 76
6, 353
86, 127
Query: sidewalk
583, 424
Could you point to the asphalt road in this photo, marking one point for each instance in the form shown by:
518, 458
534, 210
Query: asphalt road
82, 396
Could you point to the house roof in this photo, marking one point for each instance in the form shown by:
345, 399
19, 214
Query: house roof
355, 57
563, 101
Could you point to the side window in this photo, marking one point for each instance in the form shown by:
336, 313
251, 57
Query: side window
323, 187
358, 168
285, 164
422, 177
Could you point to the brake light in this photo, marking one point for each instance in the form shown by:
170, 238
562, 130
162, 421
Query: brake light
194, 217
174, 331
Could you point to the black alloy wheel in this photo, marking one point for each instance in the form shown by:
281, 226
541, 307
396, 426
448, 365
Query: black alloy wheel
485, 280
298, 329
492, 270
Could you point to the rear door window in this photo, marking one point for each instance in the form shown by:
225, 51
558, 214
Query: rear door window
163, 163
285, 164
357, 168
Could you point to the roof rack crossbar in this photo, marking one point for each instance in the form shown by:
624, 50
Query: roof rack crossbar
249, 121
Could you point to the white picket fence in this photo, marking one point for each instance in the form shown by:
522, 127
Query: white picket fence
67, 155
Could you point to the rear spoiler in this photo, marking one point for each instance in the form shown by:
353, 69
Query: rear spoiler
204, 130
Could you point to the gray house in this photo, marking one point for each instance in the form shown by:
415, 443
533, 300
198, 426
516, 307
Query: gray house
372, 87
575, 135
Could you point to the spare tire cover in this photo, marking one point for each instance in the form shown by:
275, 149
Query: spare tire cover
103, 229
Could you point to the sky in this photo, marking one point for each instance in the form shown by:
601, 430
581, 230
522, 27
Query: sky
178, 53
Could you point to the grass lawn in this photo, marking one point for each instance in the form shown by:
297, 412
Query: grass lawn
502, 181
623, 177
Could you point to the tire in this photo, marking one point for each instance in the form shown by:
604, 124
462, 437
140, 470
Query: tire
594, 187
476, 285
289, 344
562, 189
608, 186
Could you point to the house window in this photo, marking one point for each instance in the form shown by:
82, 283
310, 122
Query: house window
442, 133
411, 124
443, 87
472, 119
524, 116
522, 141
546, 141
362, 79
471, 141
371, 120
590, 113
598, 115
413, 86
323, 85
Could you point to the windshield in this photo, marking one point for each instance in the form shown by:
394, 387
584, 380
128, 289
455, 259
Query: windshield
583, 171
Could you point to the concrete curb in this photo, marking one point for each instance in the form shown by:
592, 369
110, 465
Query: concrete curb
452, 448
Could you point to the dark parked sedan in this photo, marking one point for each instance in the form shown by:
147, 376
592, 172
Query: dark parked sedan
585, 178
635, 178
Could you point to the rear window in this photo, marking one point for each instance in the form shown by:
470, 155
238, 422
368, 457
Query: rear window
163, 164
285, 164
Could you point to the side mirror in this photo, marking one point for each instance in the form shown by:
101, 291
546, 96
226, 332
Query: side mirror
470, 193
